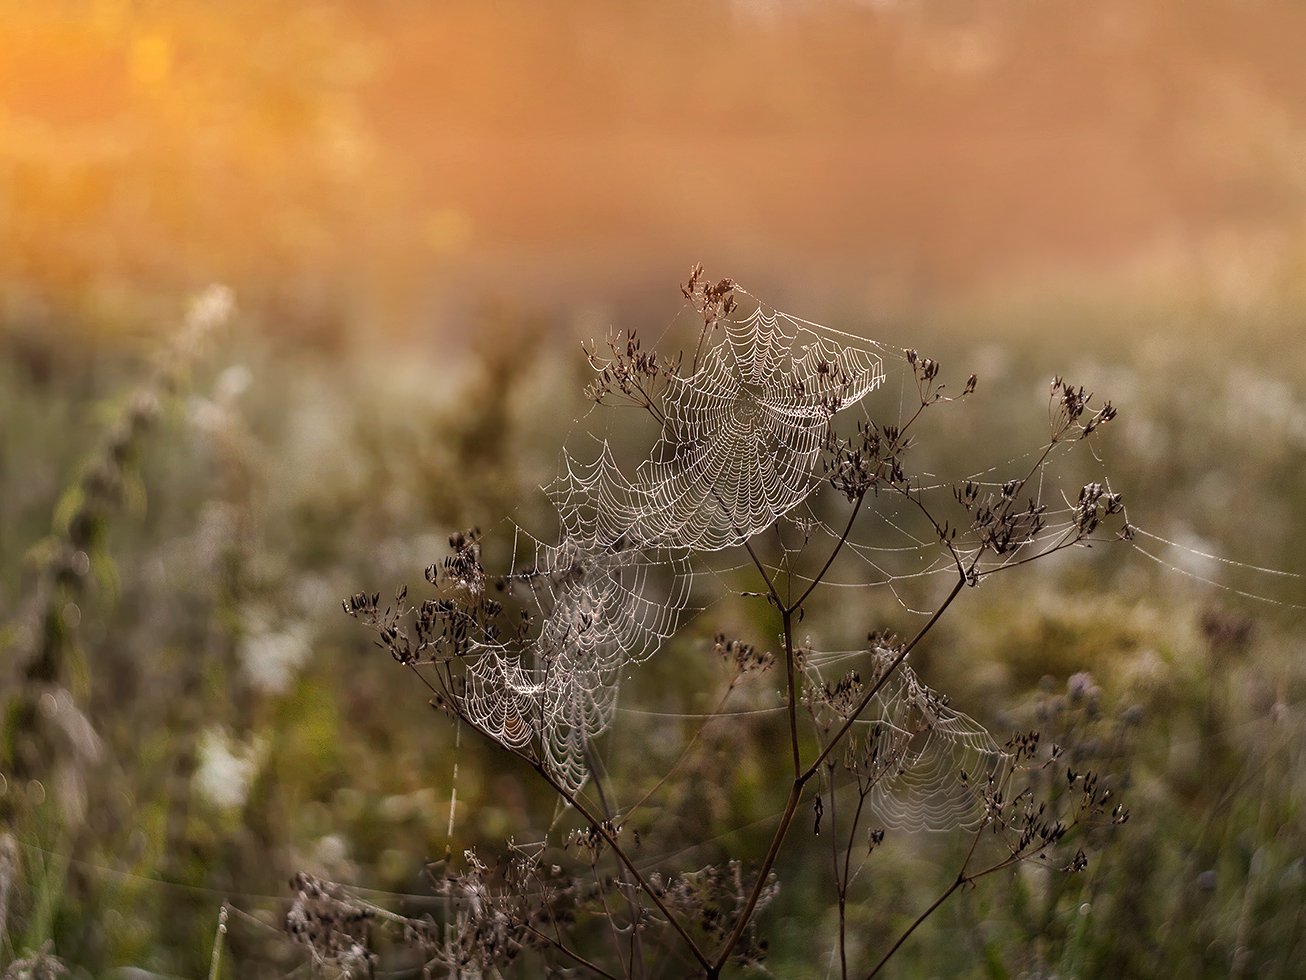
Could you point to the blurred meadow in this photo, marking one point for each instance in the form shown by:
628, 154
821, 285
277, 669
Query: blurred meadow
414, 214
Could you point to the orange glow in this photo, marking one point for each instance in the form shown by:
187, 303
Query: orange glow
344, 159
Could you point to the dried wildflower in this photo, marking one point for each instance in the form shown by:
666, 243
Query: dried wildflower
1095, 501
336, 932
1067, 407
743, 655
639, 376
866, 462
713, 897
463, 567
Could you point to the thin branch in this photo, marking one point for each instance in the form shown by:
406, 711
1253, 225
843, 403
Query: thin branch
569, 952
1066, 542
852, 834
791, 807
707, 327
770, 586
685, 752
636, 947
938, 529
217, 942
603, 831
787, 616
816, 580
875, 688
919, 919
840, 883
963, 878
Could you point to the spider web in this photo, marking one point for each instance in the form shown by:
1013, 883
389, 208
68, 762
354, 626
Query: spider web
739, 442
738, 453
926, 763
602, 609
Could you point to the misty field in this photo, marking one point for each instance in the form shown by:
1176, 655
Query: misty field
193, 722
412, 564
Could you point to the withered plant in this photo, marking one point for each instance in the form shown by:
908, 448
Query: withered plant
776, 459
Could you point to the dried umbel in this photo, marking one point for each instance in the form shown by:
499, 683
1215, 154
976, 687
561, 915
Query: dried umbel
744, 656
1067, 408
867, 462
336, 932
713, 899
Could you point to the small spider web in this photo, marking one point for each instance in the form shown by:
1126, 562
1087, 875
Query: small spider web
599, 611
926, 763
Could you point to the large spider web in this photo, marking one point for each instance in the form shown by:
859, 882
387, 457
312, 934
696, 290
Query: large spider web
739, 441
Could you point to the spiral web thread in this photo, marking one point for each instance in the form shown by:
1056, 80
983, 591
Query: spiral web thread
739, 443
603, 609
927, 764
738, 449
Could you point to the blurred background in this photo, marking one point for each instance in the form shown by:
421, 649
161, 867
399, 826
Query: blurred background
372, 164
419, 211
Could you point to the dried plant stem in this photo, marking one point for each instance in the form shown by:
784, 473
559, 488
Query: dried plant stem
787, 616
964, 878
842, 882
567, 951
786, 613
796, 790
600, 827
766, 577
961, 880
875, 688
636, 946
791, 807
834, 553
453, 791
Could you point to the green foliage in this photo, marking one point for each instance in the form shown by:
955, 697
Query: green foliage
245, 514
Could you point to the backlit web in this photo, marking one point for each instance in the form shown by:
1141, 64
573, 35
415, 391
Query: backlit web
740, 437
927, 764
738, 453
600, 609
